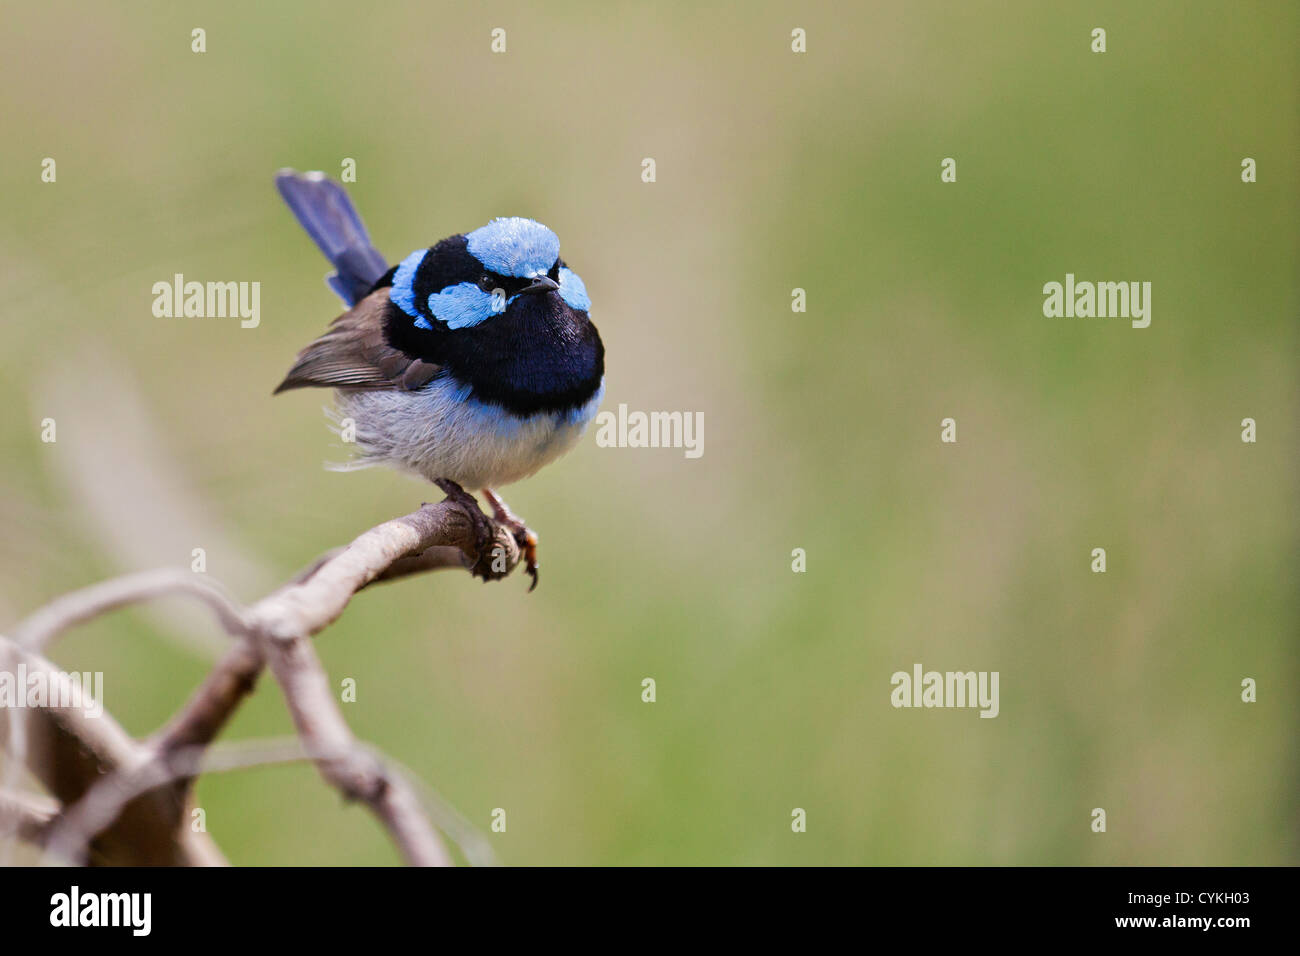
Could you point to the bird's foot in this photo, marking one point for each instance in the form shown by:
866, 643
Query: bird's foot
484, 533
525, 537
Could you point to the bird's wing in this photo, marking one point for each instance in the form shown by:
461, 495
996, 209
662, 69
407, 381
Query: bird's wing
355, 354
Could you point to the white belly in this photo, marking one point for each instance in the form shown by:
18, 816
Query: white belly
437, 434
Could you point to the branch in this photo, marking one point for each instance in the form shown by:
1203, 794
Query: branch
27, 815
318, 597
434, 538
65, 612
286, 621
277, 631
68, 749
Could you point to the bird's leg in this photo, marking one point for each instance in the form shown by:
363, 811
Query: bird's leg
483, 533
524, 536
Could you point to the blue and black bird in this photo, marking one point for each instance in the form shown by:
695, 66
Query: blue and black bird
472, 363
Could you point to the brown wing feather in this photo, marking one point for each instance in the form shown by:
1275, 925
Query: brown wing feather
354, 354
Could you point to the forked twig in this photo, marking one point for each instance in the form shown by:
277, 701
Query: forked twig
124, 801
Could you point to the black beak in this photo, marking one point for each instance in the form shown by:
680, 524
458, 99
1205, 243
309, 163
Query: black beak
540, 284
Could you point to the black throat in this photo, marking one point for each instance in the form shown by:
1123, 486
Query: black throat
538, 356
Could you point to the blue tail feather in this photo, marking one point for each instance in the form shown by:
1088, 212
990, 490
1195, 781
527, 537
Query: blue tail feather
324, 210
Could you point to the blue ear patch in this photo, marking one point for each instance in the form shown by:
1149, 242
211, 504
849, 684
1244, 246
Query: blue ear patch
521, 248
457, 306
403, 292
573, 292
464, 304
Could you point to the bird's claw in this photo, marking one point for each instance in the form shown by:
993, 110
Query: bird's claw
525, 537
529, 545
485, 533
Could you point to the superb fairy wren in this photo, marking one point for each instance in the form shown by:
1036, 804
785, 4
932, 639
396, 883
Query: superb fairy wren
472, 363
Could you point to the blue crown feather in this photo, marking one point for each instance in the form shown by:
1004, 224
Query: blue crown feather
521, 248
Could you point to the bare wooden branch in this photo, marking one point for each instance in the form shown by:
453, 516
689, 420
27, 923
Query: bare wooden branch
77, 607
204, 715
69, 834
27, 815
68, 748
316, 600
67, 837
276, 630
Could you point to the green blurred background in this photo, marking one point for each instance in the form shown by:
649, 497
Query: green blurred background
775, 171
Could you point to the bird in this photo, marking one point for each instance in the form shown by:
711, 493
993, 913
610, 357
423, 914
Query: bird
471, 363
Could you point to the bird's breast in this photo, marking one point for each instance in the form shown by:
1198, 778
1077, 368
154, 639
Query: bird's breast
440, 432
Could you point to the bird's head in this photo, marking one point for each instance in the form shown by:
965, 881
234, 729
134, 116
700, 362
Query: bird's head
508, 266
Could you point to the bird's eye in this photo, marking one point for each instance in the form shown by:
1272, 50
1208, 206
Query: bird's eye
486, 283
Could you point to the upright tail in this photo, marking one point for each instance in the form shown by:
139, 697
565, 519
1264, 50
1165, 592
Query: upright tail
324, 210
